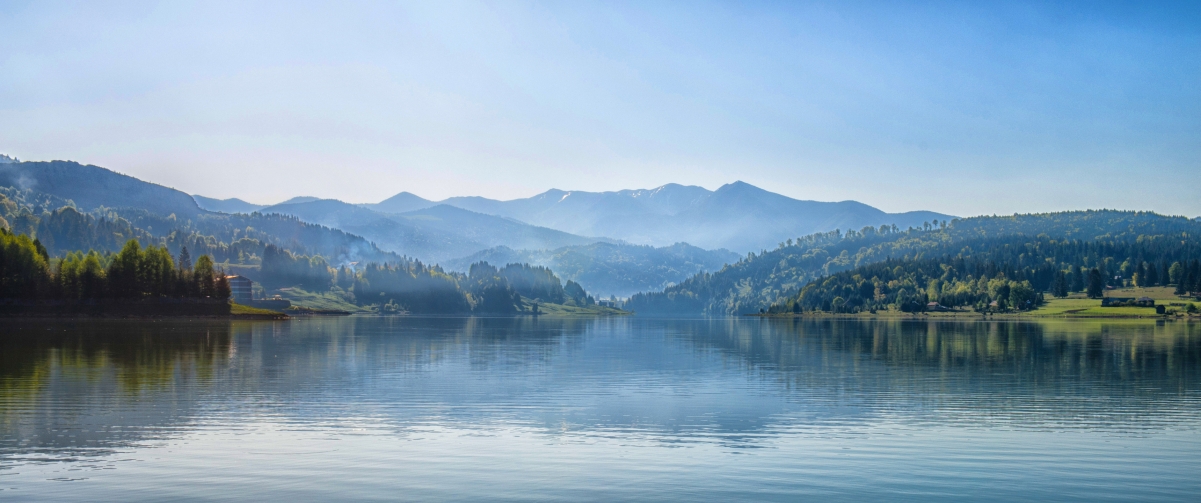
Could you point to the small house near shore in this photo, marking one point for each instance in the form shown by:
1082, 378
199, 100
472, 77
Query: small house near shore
241, 289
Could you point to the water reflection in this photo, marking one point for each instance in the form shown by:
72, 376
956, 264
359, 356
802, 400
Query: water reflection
77, 390
1024, 374
95, 379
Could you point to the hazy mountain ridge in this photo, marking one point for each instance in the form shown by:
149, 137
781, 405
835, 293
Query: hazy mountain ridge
91, 187
431, 234
401, 203
38, 190
607, 269
737, 216
231, 205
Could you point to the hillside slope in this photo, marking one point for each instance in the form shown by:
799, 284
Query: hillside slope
760, 280
607, 269
110, 207
737, 216
91, 187
231, 205
432, 234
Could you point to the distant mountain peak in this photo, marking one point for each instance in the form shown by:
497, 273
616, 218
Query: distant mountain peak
404, 196
676, 186
4, 159
737, 185
231, 205
300, 199
401, 203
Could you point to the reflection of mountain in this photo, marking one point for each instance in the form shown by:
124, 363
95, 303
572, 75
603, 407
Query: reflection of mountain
108, 385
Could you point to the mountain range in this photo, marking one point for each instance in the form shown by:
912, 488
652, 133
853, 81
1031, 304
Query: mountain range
37, 198
611, 242
601, 240
737, 216
435, 234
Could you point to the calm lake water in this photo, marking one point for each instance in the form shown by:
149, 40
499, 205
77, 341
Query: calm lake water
629, 408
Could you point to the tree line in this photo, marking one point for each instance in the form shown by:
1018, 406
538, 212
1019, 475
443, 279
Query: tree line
1005, 273
419, 288
27, 272
763, 279
286, 251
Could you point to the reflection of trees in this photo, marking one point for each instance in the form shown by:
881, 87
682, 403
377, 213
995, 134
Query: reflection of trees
87, 386
64, 383
116, 383
138, 354
397, 343
1115, 370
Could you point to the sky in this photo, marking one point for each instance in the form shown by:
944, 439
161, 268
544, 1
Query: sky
965, 108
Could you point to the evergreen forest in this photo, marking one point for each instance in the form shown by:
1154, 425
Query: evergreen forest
27, 273
1113, 242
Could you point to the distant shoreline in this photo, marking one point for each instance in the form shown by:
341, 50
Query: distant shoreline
970, 315
147, 317
135, 309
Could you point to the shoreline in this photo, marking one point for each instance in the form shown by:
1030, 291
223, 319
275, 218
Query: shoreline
968, 315
95, 316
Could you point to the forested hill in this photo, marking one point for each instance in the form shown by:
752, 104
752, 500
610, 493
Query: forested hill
52, 235
761, 280
91, 187
1013, 271
61, 227
611, 269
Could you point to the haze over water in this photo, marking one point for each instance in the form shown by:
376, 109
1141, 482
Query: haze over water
369, 408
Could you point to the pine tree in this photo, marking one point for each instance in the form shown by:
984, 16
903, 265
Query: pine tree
123, 271
1077, 279
1195, 284
203, 273
185, 259
221, 289
1061, 285
1096, 285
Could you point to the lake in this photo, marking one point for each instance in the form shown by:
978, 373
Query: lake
630, 408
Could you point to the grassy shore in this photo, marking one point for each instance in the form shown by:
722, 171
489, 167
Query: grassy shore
564, 310
1071, 307
319, 301
246, 312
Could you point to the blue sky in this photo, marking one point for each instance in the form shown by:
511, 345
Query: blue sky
960, 107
